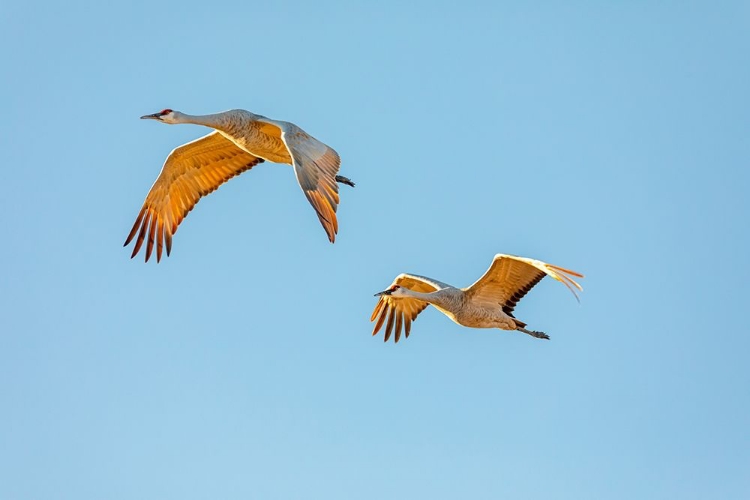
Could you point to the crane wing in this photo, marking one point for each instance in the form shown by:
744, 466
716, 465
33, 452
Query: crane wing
509, 278
315, 166
402, 310
191, 171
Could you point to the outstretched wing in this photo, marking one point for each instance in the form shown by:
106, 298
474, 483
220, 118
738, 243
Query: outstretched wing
509, 278
402, 310
315, 166
191, 171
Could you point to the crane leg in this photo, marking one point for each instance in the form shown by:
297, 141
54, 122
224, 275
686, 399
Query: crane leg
344, 180
539, 335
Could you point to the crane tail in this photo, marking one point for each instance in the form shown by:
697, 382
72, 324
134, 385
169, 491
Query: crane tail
519, 323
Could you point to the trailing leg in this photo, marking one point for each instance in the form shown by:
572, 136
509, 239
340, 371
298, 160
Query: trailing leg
344, 180
539, 335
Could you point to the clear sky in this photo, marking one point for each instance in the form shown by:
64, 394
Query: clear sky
607, 137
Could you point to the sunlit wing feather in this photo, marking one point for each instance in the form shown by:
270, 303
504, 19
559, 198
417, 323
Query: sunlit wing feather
509, 278
401, 311
190, 172
315, 166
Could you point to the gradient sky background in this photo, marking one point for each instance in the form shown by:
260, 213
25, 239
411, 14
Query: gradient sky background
610, 138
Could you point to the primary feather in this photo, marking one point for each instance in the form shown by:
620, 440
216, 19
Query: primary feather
240, 141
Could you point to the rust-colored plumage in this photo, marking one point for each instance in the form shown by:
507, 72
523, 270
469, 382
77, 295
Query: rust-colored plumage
241, 141
488, 303
402, 310
190, 172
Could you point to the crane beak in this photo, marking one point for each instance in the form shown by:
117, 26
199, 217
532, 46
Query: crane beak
155, 116
384, 292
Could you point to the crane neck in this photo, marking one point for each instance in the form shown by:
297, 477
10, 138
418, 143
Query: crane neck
436, 298
216, 120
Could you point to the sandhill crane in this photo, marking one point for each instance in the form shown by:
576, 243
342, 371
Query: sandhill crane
488, 303
240, 141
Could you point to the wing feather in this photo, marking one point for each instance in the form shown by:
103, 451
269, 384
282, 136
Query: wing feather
378, 307
381, 319
315, 166
399, 322
190, 172
510, 278
401, 311
389, 325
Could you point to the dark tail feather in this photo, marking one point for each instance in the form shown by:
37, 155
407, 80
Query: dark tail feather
344, 180
518, 322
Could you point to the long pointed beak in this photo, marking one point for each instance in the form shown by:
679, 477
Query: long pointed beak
384, 292
155, 116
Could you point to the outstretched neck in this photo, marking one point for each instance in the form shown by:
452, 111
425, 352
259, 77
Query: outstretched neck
216, 120
437, 298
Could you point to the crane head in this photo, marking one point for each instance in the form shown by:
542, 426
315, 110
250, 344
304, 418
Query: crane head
390, 291
165, 115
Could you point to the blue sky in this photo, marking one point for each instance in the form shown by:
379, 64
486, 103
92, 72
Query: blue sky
610, 138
